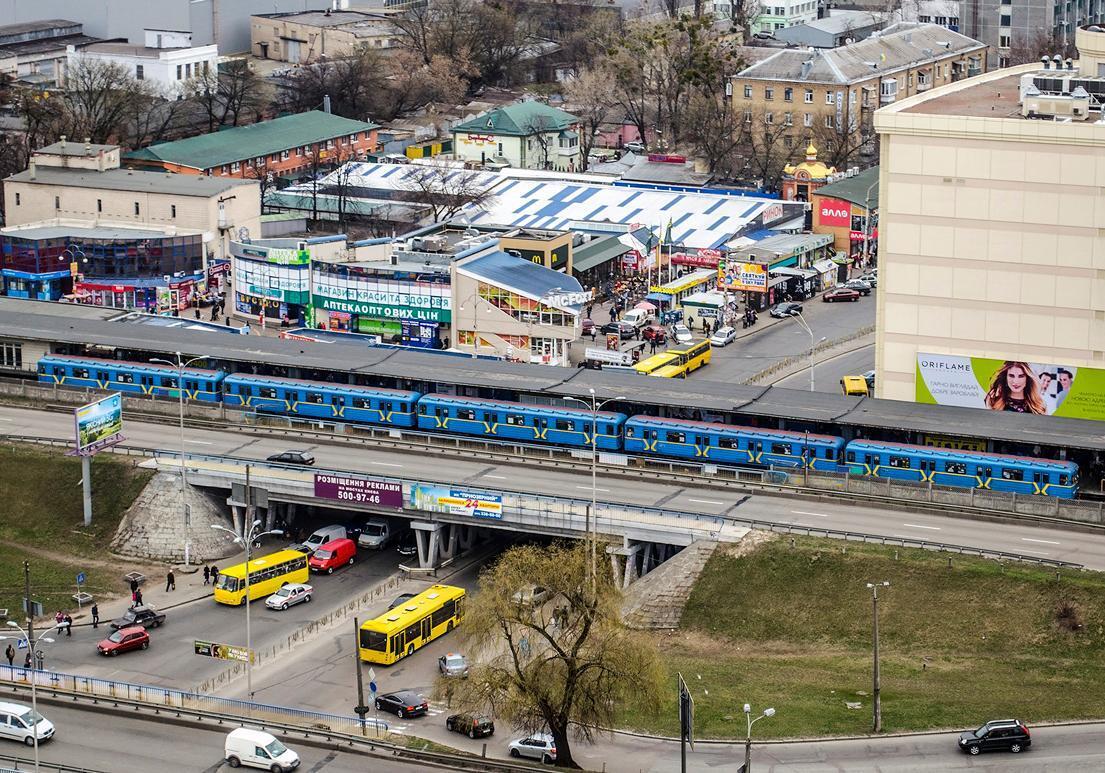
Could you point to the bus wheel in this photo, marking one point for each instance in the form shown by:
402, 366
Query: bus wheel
410, 650
449, 627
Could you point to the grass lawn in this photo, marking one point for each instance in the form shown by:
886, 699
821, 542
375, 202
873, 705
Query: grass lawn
790, 628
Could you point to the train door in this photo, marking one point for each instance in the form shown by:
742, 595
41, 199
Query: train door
927, 467
337, 403
1041, 480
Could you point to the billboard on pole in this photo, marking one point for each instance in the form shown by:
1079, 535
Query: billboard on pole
98, 422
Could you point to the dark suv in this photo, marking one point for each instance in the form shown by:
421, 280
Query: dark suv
998, 735
472, 725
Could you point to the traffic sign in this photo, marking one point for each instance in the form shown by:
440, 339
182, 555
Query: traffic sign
81, 578
372, 687
21, 644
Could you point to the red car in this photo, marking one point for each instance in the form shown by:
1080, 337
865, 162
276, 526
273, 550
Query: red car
655, 332
840, 294
125, 640
333, 555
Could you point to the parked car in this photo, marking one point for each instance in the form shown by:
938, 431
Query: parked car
531, 595
635, 146
472, 725
587, 326
375, 534
400, 600
453, 664
292, 457
333, 555
656, 332
998, 735
681, 334
22, 723
723, 337
871, 277
258, 749
290, 595
785, 309
861, 287
637, 317
142, 615
125, 640
869, 377
624, 330
840, 294
403, 703
539, 746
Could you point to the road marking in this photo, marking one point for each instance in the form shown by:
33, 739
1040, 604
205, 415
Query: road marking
387, 464
919, 526
2, 419
496, 477
588, 488
807, 512
1037, 552
1041, 541
201, 442
706, 501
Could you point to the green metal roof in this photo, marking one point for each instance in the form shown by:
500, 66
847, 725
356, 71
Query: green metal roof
260, 139
597, 252
854, 189
519, 120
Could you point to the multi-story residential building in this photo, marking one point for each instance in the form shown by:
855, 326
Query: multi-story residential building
943, 13
37, 52
305, 37
1017, 29
293, 144
991, 254
780, 14
829, 95
526, 135
167, 59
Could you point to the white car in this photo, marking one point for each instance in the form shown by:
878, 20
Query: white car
290, 595
531, 595
539, 746
258, 749
635, 146
871, 277
681, 334
21, 723
723, 336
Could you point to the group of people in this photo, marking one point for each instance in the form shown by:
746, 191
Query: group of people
210, 574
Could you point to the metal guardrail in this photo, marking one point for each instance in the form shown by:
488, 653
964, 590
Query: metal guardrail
45, 767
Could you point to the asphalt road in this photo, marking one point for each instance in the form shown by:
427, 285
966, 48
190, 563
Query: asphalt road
110, 743
827, 373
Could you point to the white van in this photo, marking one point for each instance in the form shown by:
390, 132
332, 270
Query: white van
258, 749
324, 535
21, 723
637, 317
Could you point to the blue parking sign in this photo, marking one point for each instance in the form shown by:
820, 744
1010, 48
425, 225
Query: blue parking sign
81, 578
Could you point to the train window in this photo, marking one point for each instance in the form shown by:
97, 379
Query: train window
314, 397
360, 402
564, 424
851, 456
900, 461
385, 405
491, 418
268, 392
780, 448
125, 378
515, 419
959, 468
169, 381
629, 432
1012, 474
466, 413
728, 442
80, 372
676, 437
337, 400
1064, 479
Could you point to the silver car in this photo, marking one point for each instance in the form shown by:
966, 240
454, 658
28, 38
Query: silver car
453, 664
289, 595
723, 336
539, 746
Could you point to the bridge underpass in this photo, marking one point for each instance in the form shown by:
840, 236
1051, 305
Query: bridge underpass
447, 519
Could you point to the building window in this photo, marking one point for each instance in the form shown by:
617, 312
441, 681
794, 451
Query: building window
780, 11
299, 152
924, 19
748, 92
769, 118
329, 144
206, 67
223, 169
828, 97
807, 119
942, 21
788, 142
57, 202
188, 70
137, 209
284, 154
17, 199
828, 122
769, 93
787, 119
1003, 41
500, 148
11, 355
1006, 19
172, 211
788, 95
139, 72
809, 96
747, 118
235, 166
179, 71
99, 205
352, 139
953, 21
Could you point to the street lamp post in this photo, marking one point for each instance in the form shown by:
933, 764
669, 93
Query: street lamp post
591, 527
31, 644
246, 540
748, 738
877, 704
801, 320
180, 365
475, 321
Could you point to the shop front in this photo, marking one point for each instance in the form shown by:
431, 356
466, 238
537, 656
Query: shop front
273, 282
153, 296
670, 295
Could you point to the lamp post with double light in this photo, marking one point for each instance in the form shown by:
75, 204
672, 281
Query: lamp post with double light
748, 738
180, 364
32, 645
801, 320
246, 540
594, 405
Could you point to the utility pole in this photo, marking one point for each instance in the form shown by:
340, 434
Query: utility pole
360, 708
27, 600
877, 704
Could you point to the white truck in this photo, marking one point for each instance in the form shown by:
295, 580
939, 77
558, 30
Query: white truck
376, 534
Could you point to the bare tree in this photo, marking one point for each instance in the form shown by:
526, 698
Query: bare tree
742, 15
444, 189
100, 100
1032, 46
245, 95
352, 82
766, 148
590, 96
714, 132
264, 172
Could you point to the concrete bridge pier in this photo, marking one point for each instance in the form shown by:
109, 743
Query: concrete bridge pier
438, 542
634, 559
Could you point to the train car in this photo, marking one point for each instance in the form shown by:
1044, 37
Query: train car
969, 469
321, 400
730, 444
499, 419
140, 378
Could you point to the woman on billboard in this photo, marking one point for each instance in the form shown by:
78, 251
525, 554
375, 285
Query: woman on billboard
1015, 388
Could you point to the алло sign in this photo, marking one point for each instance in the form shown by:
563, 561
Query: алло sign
364, 491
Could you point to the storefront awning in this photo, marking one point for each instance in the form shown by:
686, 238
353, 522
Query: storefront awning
805, 273
826, 266
661, 297
585, 259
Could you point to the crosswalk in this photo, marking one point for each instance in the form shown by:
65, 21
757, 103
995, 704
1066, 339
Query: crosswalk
436, 710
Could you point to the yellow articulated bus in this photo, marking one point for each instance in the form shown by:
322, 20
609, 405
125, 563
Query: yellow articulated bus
685, 360
267, 575
650, 365
399, 632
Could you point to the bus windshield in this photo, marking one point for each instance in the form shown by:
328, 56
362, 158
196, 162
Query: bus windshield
374, 640
227, 583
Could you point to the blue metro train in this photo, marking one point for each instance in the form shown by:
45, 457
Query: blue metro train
699, 441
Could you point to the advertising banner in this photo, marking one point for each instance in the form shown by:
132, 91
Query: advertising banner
99, 421
360, 490
750, 277
834, 212
478, 504
418, 301
1047, 388
212, 649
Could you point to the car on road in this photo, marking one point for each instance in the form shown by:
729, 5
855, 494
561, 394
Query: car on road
408, 545
861, 287
258, 749
325, 534
651, 332
871, 277
635, 146
637, 317
840, 294
998, 735
623, 330
681, 333
587, 326
400, 600
333, 555
869, 377
403, 703
785, 309
292, 457
142, 615
375, 534
539, 746
723, 336
471, 725
22, 723
531, 595
453, 664
125, 640
290, 595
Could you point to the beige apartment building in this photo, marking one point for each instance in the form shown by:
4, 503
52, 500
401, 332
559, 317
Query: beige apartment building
828, 96
992, 241
302, 38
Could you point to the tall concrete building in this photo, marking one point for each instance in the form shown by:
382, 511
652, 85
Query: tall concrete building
992, 241
1006, 25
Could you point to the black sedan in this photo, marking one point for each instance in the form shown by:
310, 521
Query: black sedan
787, 309
471, 725
624, 330
404, 703
292, 457
143, 616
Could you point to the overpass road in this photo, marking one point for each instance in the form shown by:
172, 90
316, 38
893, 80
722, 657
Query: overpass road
1055, 542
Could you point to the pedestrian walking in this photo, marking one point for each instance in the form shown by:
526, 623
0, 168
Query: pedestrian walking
170, 581
590, 308
9, 653
214, 574
27, 660
68, 621
207, 575
197, 312
613, 314
138, 598
226, 321
652, 345
133, 585
95, 616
